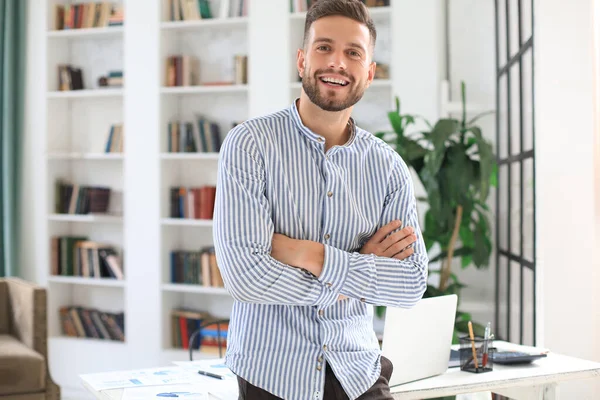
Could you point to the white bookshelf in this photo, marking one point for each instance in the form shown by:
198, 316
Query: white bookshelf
204, 24
236, 89
85, 156
75, 280
85, 94
77, 125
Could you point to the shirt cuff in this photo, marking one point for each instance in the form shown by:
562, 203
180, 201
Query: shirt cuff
335, 269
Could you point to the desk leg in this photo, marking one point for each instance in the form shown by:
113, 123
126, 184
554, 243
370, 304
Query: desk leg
542, 392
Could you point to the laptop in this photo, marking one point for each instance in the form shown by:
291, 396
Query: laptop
417, 340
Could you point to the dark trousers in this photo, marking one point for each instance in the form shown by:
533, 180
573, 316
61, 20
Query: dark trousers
333, 389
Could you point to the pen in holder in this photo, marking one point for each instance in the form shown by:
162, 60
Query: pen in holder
476, 355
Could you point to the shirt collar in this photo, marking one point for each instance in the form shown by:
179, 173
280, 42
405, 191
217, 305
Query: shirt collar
313, 136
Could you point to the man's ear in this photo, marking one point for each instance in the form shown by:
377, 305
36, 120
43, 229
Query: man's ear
371, 73
300, 62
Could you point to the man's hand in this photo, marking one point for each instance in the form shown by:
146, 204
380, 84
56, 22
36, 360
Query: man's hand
298, 253
384, 243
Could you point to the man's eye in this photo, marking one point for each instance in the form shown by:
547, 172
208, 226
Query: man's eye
323, 48
354, 53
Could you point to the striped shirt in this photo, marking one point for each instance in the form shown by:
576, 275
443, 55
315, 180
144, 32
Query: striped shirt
275, 177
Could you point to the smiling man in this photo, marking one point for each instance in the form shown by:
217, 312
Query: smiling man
315, 220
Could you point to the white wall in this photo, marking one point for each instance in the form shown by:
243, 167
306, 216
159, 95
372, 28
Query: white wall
568, 256
32, 160
472, 60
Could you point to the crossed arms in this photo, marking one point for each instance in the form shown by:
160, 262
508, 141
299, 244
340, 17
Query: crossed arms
260, 266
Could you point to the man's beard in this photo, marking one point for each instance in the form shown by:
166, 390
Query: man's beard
312, 89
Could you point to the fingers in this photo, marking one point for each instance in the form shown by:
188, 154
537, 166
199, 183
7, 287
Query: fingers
386, 230
405, 254
397, 236
399, 246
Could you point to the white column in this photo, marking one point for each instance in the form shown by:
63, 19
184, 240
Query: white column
417, 64
269, 56
141, 181
568, 262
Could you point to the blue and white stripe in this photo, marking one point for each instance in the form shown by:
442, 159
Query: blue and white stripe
274, 177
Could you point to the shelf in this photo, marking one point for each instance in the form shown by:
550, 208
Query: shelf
86, 156
203, 23
190, 156
71, 341
85, 93
204, 89
376, 13
193, 288
377, 83
86, 218
78, 280
187, 222
86, 32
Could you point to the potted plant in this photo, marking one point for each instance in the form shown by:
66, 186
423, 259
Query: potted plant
456, 166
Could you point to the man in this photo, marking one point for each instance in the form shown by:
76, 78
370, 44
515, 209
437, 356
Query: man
315, 219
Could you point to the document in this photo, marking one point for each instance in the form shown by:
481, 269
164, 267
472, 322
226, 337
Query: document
213, 367
140, 378
187, 392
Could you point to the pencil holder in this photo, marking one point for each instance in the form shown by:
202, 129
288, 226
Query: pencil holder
476, 355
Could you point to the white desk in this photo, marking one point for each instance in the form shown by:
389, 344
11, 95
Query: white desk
534, 381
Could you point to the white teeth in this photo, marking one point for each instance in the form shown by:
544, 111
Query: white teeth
333, 80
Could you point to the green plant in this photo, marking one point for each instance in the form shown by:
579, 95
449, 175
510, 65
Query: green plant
456, 166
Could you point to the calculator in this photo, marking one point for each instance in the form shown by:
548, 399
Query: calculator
515, 357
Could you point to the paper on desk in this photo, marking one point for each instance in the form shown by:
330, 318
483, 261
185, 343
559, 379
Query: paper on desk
187, 392
214, 366
140, 378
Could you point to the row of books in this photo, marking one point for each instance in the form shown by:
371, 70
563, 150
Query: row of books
92, 323
73, 198
304, 5
192, 202
114, 79
114, 142
201, 136
196, 267
185, 322
87, 15
79, 256
184, 70
193, 10
70, 78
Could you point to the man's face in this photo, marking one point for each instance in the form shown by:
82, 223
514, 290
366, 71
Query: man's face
335, 64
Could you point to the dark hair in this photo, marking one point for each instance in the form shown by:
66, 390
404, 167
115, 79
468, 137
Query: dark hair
353, 9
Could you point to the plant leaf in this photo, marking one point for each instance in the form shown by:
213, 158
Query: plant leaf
466, 261
460, 252
486, 161
396, 122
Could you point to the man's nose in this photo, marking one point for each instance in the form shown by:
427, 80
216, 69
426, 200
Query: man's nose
337, 61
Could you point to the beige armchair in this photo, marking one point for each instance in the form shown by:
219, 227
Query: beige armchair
24, 373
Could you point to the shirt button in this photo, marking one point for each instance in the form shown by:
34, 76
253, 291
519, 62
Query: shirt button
327, 236
329, 284
320, 359
325, 348
362, 299
320, 139
329, 194
321, 312
318, 367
